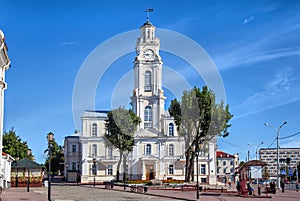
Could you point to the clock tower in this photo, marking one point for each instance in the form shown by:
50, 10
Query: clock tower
148, 96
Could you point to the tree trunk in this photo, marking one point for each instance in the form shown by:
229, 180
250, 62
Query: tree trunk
118, 166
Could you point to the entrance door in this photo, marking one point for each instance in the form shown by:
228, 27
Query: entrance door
150, 172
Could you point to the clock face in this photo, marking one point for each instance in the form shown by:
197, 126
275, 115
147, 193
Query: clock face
148, 54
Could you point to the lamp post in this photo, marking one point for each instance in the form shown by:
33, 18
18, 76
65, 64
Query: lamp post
257, 149
17, 176
94, 171
66, 175
195, 148
277, 138
49, 139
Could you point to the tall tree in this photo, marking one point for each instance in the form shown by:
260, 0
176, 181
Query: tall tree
14, 146
199, 119
121, 124
56, 155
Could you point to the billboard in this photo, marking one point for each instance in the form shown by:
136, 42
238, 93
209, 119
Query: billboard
256, 172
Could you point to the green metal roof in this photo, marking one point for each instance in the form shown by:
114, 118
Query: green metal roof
25, 163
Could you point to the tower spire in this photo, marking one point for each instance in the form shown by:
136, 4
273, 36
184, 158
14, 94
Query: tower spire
149, 10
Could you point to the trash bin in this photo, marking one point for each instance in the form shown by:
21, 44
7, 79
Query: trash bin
200, 188
46, 183
107, 185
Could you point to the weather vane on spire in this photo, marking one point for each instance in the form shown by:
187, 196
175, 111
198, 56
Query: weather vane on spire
149, 10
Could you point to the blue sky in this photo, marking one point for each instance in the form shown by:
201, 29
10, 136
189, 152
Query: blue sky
255, 46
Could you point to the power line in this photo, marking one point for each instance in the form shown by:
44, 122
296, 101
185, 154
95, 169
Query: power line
272, 143
290, 136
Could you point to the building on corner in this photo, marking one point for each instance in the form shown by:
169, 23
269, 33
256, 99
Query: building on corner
226, 167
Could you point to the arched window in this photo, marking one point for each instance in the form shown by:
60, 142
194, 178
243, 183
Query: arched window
171, 150
148, 113
148, 149
148, 80
94, 129
171, 129
94, 150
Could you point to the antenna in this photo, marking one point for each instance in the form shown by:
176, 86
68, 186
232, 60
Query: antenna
149, 10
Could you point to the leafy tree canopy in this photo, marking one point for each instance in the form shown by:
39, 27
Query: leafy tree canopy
56, 155
15, 146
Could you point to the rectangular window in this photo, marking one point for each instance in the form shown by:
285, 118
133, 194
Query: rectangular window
224, 170
171, 169
74, 148
224, 162
202, 169
109, 170
110, 153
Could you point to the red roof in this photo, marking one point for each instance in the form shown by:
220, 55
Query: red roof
221, 154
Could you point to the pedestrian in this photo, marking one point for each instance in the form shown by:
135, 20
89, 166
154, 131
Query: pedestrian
238, 186
229, 182
282, 185
297, 186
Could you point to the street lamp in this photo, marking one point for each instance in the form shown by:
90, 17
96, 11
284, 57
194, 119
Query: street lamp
50, 137
94, 170
277, 138
257, 149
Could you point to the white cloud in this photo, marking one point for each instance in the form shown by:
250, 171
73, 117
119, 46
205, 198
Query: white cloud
275, 93
69, 43
249, 19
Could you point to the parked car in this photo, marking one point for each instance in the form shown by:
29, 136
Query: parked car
286, 181
293, 182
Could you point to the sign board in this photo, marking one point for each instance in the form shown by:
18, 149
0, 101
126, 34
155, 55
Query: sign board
291, 172
256, 172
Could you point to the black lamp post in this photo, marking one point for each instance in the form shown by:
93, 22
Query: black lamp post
67, 166
195, 148
197, 167
28, 180
17, 175
94, 171
49, 139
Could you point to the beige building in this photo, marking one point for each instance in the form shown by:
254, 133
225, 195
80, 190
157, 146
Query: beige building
72, 156
226, 167
269, 156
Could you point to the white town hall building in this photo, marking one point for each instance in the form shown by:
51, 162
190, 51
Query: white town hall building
159, 151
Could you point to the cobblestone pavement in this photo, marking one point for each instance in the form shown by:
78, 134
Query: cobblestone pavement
61, 192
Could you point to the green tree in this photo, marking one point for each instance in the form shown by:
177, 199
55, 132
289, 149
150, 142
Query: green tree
56, 155
199, 119
121, 124
14, 146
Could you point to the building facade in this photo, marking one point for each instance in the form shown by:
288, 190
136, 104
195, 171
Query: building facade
288, 158
226, 167
159, 152
72, 156
4, 65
